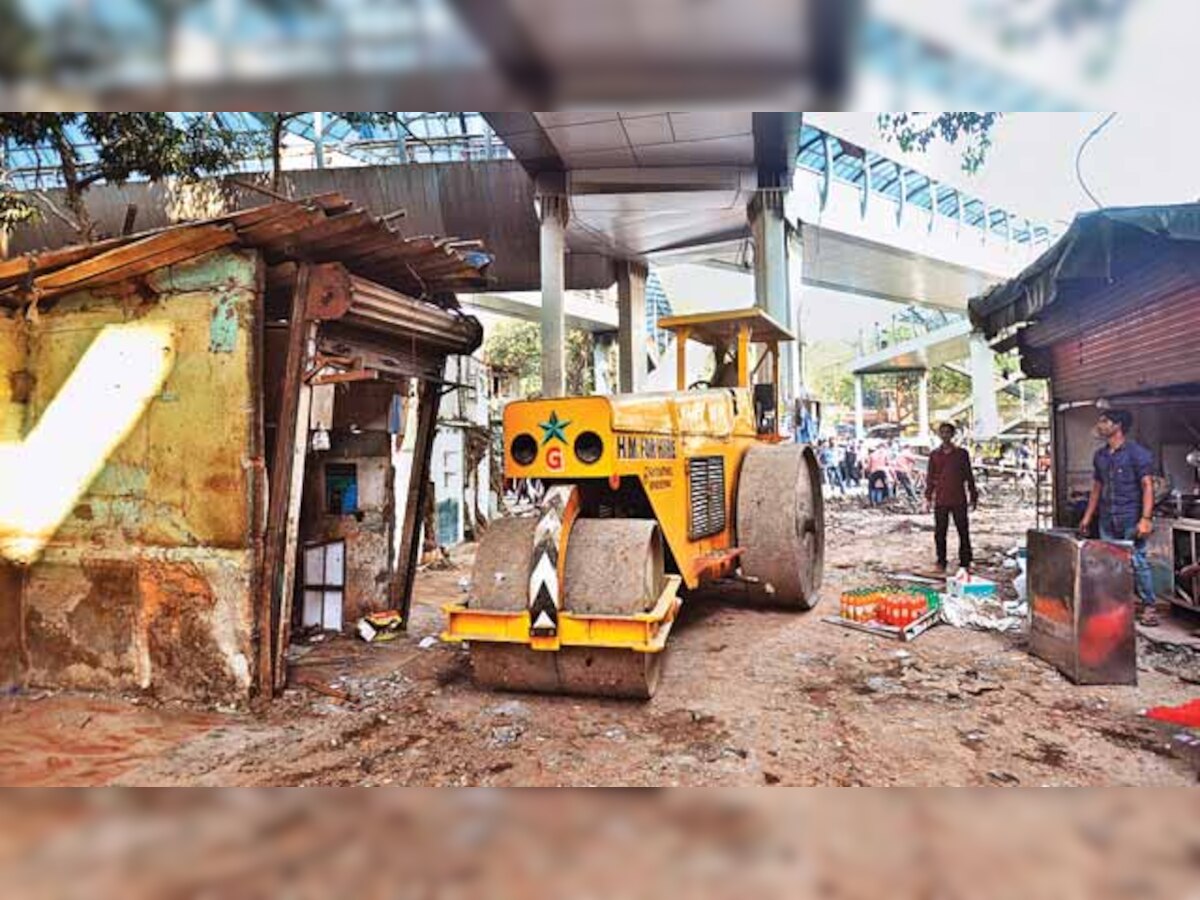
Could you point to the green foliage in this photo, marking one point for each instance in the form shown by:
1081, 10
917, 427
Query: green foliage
149, 144
516, 348
916, 131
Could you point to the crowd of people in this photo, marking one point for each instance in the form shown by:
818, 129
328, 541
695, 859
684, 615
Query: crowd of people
883, 469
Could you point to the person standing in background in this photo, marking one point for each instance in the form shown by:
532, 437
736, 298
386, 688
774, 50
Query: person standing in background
949, 486
833, 475
905, 465
850, 464
878, 475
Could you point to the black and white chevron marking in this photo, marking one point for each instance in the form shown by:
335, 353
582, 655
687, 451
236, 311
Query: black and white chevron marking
545, 595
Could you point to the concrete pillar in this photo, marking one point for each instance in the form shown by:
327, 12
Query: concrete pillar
552, 249
631, 326
602, 344
983, 387
793, 354
771, 283
860, 430
923, 406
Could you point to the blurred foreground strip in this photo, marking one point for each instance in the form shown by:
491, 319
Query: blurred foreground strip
393, 843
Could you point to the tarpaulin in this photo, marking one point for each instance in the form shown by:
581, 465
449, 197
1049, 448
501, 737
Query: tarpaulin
1098, 247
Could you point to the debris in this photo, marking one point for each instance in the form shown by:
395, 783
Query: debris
322, 688
428, 641
380, 626
980, 688
877, 684
1004, 778
972, 738
505, 735
512, 709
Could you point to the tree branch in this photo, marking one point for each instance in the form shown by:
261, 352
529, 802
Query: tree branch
59, 214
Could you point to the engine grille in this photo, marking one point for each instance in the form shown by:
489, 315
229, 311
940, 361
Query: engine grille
706, 496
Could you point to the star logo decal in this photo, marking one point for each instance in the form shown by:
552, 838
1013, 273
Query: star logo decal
555, 428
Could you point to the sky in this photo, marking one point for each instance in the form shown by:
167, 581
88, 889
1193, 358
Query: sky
1140, 157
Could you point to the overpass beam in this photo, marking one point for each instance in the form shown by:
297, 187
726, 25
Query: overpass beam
631, 326
772, 290
554, 212
860, 430
983, 387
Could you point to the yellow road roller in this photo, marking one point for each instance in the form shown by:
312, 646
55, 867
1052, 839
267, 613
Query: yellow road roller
646, 497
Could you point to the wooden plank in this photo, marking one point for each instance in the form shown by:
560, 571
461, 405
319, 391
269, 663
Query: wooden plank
167, 257
291, 529
345, 377
275, 549
167, 244
256, 214
280, 227
400, 593
318, 238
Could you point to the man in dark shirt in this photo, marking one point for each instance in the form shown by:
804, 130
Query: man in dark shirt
948, 485
1122, 499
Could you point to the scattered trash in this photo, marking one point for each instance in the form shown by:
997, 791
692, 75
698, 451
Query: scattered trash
380, 626
428, 641
982, 611
966, 585
1186, 714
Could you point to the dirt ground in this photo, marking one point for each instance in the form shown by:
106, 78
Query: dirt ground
749, 697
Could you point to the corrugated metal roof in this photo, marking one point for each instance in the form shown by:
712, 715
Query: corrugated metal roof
322, 228
1098, 249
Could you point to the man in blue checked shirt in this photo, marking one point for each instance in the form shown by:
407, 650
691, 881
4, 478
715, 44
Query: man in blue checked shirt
1122, 499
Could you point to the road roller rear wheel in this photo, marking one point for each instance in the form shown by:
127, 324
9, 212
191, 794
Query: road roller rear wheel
781, 524
613, 567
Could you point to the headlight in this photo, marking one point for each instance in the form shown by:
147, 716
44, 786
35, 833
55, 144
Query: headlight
588, 447
524, 449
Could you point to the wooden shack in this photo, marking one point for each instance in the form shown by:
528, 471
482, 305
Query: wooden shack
182, 415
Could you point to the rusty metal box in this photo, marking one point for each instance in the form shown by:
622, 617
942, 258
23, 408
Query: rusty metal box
1082, 607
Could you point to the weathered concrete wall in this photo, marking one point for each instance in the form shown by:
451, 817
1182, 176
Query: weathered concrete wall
147, 583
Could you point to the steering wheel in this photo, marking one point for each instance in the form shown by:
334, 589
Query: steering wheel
702, 383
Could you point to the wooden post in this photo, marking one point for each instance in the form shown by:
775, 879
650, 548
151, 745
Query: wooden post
281, 481
14, 654
681, 339
428, 399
